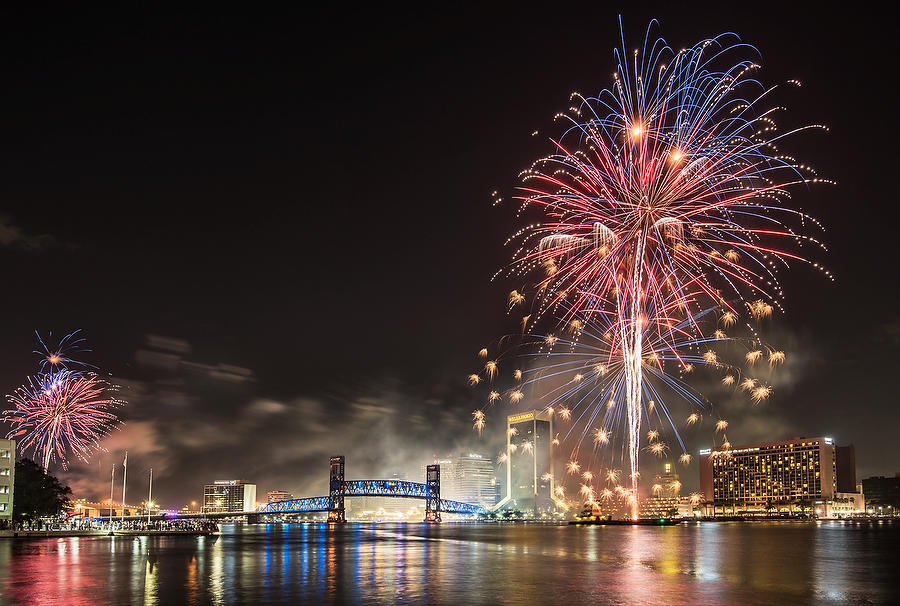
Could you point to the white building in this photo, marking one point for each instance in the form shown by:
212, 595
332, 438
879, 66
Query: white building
7, 479
229, 495
470, 478
844, 504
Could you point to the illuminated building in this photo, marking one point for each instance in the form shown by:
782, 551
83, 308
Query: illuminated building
229, 495
795, 474
668, 481
529, 453
278, 495
664, 500
842, 505
7, 479
470, 479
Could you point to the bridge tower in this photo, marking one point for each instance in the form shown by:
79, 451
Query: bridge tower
336, 490
433, 493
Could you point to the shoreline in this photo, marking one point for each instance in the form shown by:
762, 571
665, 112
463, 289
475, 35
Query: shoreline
47, 534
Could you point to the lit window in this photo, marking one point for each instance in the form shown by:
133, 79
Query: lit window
4, 471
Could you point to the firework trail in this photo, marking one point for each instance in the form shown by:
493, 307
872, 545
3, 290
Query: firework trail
62, 413
662, 206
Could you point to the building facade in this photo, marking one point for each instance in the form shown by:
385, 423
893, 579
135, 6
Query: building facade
7, 480
278, 495
882, 494
665, 500
795, 473
845, 461
470, 479
843, 505
229, 495
529, 464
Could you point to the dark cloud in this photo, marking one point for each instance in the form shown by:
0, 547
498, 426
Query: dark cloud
14, 236
195, 423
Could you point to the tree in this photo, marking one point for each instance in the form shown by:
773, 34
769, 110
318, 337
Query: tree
37, 493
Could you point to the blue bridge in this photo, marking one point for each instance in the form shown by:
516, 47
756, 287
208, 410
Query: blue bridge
339, 489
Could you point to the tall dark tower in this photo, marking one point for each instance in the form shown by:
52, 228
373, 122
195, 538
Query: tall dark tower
336, 490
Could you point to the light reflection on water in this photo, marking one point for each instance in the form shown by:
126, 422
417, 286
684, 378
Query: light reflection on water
759, 563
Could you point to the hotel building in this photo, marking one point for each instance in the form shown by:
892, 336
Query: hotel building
795, 473
529, 465
229, 495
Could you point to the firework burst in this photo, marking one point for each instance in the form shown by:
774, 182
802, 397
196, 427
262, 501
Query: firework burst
62, 414
654, 223
59, 356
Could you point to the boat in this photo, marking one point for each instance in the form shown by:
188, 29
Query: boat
590, 516
602, 521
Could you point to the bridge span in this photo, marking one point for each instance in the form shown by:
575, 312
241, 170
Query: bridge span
339, 488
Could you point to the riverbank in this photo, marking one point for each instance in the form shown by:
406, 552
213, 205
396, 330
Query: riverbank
32, 534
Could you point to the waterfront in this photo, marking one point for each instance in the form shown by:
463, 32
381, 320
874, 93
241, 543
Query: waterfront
710, 563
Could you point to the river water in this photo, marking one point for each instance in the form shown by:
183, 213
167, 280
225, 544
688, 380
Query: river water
465, 564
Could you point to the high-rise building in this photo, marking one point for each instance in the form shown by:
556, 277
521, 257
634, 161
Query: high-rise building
529, 465
278, 495
7, 480
229, 495
797, 472
845, 461
470, 479
666, 484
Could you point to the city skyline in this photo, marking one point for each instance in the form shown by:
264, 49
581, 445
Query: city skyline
282, 319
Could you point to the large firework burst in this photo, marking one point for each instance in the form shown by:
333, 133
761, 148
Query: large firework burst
62, 414
655, 223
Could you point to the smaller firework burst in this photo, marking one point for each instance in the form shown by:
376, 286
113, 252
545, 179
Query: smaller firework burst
59, 356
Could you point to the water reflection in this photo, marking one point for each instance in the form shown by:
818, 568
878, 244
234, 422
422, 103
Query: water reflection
462, 563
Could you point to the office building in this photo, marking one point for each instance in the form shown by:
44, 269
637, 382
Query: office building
469, 478
529, 465
7, 480
789, 475
882, 494
278, 495
229, 495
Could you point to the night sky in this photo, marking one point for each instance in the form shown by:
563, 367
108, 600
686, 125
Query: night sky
276, 231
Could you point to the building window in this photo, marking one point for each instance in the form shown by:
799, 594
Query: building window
4, 471
4, 489
2, 506
4, 454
